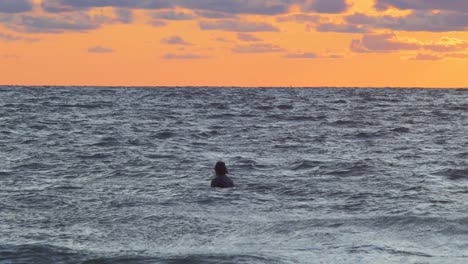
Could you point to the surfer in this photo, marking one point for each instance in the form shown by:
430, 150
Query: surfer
221, 180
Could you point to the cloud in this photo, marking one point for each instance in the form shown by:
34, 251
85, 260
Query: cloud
100, 49
299, 18
237, 26
391, 43
56, 6
175, 40
63, 22
248, 37
11, 38
15, 6
446, 44
220, 39
452, 5
312, 55
432, 57
255, 7
380, 43
305, 55
326, 6
426, 57
70, 5
457, 55
52, 24
334, 56
258, 48
69, 15
187, 56
124, 15
158, 23
172, 15
214, 14
341, 28
416, 21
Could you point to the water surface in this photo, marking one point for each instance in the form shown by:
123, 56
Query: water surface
120, 175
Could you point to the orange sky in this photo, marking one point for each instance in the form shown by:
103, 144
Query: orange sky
235, 43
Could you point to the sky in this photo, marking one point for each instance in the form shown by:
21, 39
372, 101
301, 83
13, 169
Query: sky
313, 43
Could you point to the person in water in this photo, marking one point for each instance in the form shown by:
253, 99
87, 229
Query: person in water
221, 180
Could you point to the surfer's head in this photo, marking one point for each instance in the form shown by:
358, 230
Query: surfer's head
220, 168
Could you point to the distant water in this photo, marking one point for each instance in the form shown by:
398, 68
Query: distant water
107, 175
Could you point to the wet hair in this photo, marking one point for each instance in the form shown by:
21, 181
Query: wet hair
220, 168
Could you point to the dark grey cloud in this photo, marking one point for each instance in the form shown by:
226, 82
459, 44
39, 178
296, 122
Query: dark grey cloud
261, 7
299, 18
15, 6
56, 6
237, 26
258, 48
68, 5
258, 7
175, 40
452, 5
63, 22
100, 49
52, 24
214, 14
172, 15
326, 6
124, 15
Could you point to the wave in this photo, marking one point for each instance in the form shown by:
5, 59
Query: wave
107, 142
305, 165
201, 258
367, 134
369, 249
163, 135
47, 254
401, 130
356, 168
455, 174
85, 106
38, 254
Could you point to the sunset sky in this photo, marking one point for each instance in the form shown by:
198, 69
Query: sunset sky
376, 43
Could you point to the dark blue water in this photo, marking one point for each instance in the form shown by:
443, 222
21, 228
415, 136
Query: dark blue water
107, 175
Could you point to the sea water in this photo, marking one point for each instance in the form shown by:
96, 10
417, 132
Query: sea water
122, 175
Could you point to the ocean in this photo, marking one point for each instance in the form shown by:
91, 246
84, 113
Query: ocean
324, 175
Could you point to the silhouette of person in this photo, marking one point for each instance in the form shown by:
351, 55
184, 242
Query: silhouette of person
221, 180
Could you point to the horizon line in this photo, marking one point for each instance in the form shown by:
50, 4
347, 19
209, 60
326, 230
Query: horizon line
230, 86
